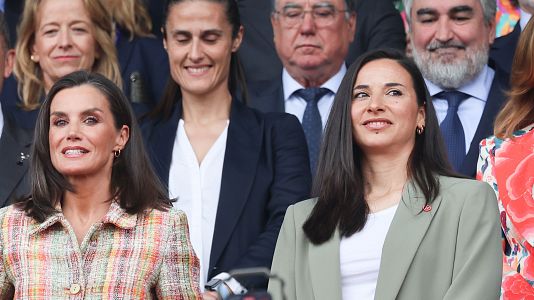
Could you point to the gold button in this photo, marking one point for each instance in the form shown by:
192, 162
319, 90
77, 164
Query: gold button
75, 288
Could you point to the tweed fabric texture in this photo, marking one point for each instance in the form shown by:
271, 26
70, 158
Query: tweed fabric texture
142, 256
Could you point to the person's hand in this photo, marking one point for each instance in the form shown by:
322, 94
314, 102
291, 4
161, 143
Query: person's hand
210, 295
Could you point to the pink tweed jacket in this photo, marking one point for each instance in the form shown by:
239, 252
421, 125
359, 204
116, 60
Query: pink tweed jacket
143, 256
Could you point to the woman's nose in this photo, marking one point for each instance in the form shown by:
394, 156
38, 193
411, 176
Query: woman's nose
64, 38
73, 132
376, 103
195, 53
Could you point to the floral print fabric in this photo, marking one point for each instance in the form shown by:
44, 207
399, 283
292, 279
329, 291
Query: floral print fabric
508, 166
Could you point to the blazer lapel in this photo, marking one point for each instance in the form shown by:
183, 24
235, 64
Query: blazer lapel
161, 142
324, 269
494, 102
243, 147
406, 232
14, 148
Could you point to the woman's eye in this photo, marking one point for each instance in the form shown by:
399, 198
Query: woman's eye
182, 39
359, 95
59, 122
90, 120
79, 29
394, 93
50, 32
211, 38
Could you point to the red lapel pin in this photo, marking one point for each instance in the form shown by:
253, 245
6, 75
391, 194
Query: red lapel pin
427, 208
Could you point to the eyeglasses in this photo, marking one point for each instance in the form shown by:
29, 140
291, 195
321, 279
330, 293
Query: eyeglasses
323, 15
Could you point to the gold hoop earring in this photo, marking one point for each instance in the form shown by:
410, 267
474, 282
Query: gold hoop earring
117, 153
420, 129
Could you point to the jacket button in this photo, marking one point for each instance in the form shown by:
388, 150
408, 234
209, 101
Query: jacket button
74, 288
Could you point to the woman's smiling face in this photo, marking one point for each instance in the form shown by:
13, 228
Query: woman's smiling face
384, 112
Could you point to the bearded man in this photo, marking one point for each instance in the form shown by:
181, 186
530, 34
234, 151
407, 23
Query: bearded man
450, 43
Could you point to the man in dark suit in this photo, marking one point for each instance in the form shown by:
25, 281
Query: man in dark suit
312, 39
503, 49
378, 25
450, 44
14, 141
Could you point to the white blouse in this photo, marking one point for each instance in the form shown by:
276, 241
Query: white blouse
197, 189
360, 256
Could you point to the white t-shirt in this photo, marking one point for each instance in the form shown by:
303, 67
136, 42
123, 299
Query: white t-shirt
360, 256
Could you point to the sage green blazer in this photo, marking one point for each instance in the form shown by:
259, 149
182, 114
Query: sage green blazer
452, 251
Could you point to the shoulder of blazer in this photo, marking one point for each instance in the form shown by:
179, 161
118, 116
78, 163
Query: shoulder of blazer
505, 41
302, 210
447, 182
278, 119
138, 49
266, 95
457, 190
503, 48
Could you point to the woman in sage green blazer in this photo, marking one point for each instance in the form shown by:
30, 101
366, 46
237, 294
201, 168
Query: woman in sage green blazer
390, 220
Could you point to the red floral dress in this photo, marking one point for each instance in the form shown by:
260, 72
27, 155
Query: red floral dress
508, 166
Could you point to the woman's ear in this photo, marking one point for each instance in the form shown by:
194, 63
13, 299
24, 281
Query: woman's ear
236, 43
123, 137
34, 57
421, 115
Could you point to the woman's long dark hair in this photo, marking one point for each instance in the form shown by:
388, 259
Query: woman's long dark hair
236, 83
339, 182
133, 181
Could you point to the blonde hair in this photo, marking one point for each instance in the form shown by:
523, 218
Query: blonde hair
132, 16
30, 75
518, 112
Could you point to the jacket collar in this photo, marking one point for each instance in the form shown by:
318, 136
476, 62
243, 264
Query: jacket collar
115, 215
412, 219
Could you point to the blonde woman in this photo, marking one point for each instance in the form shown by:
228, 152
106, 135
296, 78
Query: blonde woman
52, 43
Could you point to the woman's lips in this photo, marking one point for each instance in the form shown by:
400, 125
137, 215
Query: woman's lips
377, 124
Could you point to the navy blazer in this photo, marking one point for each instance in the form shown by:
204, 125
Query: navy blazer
267, 95
495, 101
265, 170
144, 69
503, 49
15, 145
